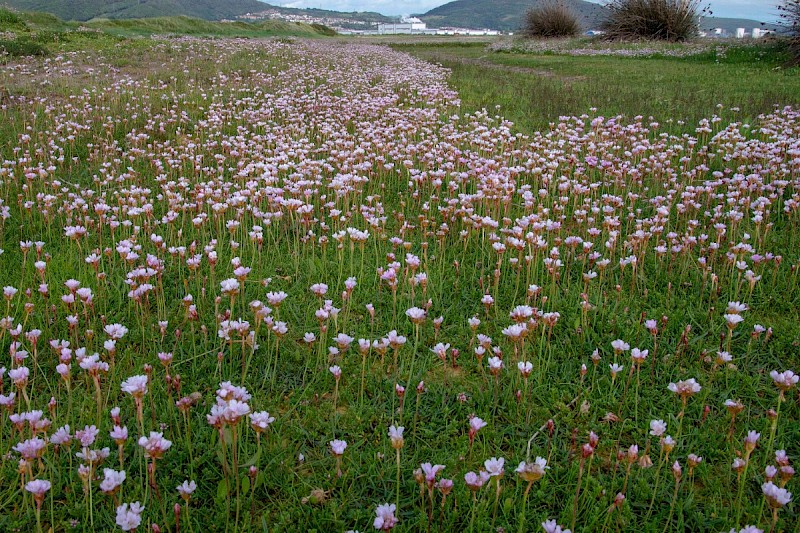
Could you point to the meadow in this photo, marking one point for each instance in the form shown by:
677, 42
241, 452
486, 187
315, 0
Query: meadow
313, 285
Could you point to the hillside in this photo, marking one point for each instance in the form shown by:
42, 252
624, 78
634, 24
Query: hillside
508, 15
35, 33
83, 10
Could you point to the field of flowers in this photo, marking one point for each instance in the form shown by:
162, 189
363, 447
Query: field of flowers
292, 286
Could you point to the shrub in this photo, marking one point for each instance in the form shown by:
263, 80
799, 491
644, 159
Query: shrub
551, 19
663, 20
9, 18
323, 30
791, 14
20, 48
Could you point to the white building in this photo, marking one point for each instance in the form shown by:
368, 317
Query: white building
407, 25
740, 33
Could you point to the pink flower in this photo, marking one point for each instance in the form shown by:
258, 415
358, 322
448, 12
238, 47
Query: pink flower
430, 472
38, 487
685, 388
385, 519
396, 436
783, 380
260, 421
136, 386
186, 489
776, 497
155, 445
494, 466
338, 447
129, 517
551, 526
111, 480
475, 424
476, 481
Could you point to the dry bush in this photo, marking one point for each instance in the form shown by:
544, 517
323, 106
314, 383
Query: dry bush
663, 20
791, 15
551, 19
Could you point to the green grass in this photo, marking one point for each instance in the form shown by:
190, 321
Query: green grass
204, 28
36, 33
533, 90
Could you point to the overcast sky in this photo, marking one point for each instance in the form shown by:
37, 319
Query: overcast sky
765, 10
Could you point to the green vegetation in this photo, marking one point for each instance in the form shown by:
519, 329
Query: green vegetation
204, 28
534, 89
32, 34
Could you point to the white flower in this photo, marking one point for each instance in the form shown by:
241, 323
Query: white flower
186, 489
111, 480
494, 466
129, 517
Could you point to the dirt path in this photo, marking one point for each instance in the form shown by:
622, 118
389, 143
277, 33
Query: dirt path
485, 63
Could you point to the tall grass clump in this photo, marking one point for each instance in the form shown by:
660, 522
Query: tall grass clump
551, 19
791, 15
663, 20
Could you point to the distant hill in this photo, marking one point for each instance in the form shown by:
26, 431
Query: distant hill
84, 10
124, 9
508, 15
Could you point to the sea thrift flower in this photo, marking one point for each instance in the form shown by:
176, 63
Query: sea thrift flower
111, 480
338, 447
385, 519
784, 380
155, 445
776, 497
657, 427
396, 437
430, 472
620, 346
531, 472
475, 481
475, 424
186, 489
260, 421
129, 517
494, 466
136, 386
38, 487
551, 526
685, 388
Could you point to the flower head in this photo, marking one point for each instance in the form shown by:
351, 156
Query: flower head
337, 447
129, 516
384, 517
776, 497
534, 471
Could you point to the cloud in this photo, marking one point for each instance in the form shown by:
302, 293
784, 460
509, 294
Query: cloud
756, 9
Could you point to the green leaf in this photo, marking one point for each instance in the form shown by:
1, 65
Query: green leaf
222, 490
253, 460
245, 484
